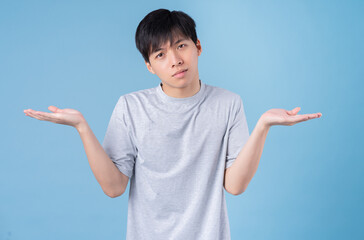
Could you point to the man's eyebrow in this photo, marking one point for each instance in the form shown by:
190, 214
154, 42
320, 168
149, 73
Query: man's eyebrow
178, 41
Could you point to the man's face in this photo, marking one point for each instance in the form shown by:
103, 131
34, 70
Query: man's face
169, 59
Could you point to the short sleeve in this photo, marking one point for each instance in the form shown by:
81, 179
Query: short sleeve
238, 133
118, 143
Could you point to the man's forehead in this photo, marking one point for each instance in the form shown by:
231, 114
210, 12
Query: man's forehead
174, 42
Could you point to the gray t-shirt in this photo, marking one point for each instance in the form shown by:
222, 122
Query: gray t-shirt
175, 152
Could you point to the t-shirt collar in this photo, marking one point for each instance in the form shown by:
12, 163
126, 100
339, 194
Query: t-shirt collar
187, 100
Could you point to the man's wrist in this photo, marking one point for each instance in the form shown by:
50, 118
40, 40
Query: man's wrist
262, 124
82, 126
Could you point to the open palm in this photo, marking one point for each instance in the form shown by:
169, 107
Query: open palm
278, 116
65, 116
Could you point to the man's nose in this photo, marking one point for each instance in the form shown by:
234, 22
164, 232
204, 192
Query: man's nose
176, 59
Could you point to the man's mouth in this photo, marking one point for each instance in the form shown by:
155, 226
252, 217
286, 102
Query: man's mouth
180, 73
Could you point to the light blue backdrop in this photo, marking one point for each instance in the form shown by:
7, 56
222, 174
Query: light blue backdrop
275, 54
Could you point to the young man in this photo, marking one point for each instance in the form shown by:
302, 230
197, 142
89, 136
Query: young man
180, 143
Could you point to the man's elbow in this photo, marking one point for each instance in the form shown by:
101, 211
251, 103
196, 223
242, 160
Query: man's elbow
114, 193
235, 192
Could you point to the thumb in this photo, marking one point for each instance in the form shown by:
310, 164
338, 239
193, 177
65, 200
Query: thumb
54, 109
294, 111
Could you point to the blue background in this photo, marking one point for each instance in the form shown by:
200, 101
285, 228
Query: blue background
274, 54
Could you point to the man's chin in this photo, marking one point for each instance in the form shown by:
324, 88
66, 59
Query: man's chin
177, 83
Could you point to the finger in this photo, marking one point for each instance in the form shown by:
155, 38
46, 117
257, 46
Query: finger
54, 109
297, 118
27, 110
39, 113
33, 115
33, 112
42, 115
48, 116
304, 117
294, 111
314, 115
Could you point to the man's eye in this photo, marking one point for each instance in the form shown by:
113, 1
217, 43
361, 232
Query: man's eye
182, 45
159, 55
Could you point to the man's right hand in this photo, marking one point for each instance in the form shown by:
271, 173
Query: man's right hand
65, 116
112, 181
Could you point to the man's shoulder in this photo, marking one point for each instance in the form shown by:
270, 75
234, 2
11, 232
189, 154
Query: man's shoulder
139, 94
221, 94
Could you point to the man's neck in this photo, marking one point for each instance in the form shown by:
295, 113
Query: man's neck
182, 92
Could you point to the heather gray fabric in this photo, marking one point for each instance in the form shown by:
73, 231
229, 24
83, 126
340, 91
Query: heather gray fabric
175, 151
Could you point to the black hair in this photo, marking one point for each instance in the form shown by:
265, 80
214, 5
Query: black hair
161, 25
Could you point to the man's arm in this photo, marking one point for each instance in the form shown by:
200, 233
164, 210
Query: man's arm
240, 173
112, 181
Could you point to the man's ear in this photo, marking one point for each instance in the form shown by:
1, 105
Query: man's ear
198, 46
150, 69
